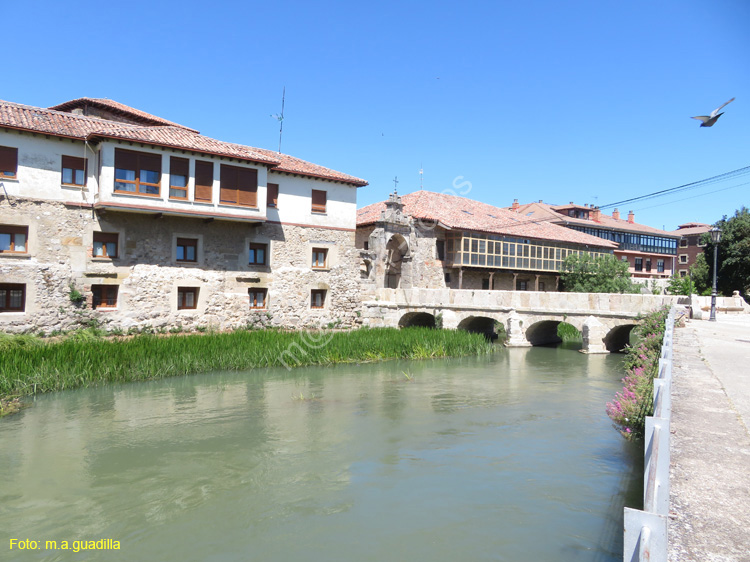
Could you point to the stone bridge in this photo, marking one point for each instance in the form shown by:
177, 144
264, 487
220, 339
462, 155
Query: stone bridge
529, 318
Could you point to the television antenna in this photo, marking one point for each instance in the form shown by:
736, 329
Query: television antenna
280, 117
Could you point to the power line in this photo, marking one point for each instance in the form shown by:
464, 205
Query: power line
685, 187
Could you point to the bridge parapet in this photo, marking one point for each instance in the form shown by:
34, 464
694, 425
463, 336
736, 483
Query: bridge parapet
525, 315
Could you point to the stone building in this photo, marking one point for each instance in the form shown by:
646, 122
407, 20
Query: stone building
691, 245
437, 240
650, 252
114, 216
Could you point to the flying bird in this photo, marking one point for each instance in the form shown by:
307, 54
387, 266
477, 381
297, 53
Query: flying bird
708, 120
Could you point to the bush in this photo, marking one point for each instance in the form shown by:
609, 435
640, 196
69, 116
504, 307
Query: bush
631, 406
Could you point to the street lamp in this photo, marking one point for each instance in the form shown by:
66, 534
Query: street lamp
715, 238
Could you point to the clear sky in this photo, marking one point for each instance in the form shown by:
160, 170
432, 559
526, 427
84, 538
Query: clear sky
584, 101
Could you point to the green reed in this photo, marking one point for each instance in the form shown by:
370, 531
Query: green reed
30, 367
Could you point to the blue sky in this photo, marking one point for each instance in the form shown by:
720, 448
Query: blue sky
585, 101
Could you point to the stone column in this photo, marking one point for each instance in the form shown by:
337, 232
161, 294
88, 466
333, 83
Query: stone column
492, 282
536, 283
460, 277
516, 332
593, 334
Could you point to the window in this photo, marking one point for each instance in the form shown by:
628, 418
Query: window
318, 201
486, 284
257, 254
440, 248
660, 266
187, 250
541, 285
273, 195
317, 298
187, 298
8, 162
367, 245
648, 265
683, 242
239, 186
319, 258
12, 297
204, 180
683, 258
105, 244
258, 298
14, 239
447, 278
683, 273
639, 264
178, 177
105, 296
137, 172
522, 285
73, 171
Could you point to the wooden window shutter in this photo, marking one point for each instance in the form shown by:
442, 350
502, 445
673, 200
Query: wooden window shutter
247, 187
150, 162
273, 195
8, 161
318, 201
179, 166
204, 180
228, 187
126, 160
73, 162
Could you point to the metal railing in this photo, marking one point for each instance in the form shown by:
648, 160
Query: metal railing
646, 530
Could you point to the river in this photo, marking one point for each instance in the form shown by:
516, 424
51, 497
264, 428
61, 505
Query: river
509, 457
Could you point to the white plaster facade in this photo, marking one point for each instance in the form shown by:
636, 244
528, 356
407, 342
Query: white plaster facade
63, 221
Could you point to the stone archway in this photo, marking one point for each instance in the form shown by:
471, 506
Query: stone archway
618, 338
396, 251
481, 325
422, 319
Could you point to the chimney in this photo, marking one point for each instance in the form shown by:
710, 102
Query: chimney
596, 214
616, 214
515, 206
631, 217
540, 200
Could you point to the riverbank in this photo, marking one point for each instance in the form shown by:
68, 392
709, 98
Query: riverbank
32, 365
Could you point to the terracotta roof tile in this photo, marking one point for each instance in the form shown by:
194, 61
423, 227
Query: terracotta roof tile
548, 212
692, 228
460, 213
62, 123
117, 107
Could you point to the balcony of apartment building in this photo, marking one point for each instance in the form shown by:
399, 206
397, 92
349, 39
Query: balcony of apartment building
179, 183
522, 263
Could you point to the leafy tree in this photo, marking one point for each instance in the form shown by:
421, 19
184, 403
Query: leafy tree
734, 254
603, 274
680, 286
699, 275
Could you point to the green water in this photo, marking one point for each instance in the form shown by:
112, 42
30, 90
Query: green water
504, 458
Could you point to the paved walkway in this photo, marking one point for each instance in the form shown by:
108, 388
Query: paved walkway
710, 449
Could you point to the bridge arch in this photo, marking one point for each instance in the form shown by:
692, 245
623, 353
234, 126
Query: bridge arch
543, 332
618, 337
423, 319
482, 325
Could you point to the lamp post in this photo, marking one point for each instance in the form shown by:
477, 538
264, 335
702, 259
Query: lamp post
715, 238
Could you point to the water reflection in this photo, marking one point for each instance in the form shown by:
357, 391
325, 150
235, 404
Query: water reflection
509, 457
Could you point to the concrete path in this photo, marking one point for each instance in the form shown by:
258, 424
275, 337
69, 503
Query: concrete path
710, 449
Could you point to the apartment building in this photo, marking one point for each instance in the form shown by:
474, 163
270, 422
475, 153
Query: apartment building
439, 240
650, 252
113, 215
691, 245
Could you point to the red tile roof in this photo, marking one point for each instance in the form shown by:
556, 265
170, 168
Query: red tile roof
460, 213
116, 107
545, 211
70, 125
692, 228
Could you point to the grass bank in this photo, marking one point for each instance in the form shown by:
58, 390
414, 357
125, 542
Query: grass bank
30, 365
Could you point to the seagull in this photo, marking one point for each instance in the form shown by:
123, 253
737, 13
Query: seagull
709, 120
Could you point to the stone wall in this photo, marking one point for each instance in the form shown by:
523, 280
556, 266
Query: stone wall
148, 275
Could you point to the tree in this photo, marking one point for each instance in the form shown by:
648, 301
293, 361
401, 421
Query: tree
604, 274
734, 254
680, 286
